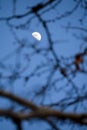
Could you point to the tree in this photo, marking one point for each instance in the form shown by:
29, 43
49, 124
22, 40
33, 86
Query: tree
45, 81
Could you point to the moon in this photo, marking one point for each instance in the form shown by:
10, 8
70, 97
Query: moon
36, 35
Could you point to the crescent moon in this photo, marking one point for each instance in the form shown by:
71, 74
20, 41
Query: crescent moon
36, 35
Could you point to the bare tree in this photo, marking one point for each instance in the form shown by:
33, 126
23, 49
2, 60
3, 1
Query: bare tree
45, 81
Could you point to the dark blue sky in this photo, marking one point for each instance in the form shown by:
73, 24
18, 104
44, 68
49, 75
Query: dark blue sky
66, 43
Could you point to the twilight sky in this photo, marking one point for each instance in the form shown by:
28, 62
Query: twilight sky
13, 58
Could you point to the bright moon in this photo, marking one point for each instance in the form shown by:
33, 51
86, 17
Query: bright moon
36, 35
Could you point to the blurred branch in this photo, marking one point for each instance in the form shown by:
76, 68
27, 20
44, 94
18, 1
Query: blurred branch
17, 99
76, 28
39, 112
44, 112
36, 8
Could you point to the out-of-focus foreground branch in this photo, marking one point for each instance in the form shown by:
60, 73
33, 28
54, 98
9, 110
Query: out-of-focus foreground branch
39, 112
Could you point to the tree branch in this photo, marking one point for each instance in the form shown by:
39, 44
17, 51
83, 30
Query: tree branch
19, 100
39, 112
